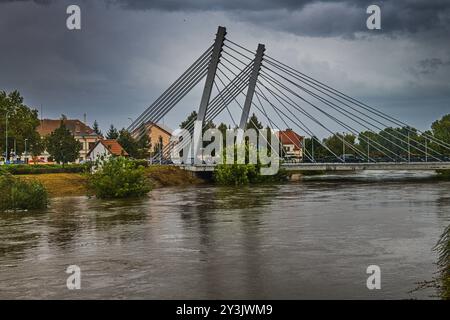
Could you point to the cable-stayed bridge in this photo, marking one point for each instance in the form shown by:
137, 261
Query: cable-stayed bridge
252, 81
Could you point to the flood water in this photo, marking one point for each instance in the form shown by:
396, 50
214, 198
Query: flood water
301, 240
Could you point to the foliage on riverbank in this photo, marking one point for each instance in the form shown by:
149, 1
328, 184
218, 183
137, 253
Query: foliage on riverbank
19, 194
119, 178
444, 174
242, 174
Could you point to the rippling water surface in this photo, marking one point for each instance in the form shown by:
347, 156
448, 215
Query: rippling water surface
311, 239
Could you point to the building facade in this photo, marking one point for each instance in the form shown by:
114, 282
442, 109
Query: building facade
81, 132
104, 149
291, 144
157, 134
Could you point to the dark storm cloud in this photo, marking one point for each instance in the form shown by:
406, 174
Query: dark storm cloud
429, 66
128, 52
317, 18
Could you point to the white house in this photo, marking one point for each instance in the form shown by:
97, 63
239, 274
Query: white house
104, 149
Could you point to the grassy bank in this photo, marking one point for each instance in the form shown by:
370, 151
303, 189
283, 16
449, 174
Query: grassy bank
166, 176
61, 184
75, 184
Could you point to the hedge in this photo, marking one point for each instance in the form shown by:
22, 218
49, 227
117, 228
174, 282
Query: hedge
17, 169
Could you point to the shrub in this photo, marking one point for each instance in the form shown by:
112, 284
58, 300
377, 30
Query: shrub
242, 174
140, 162
119, 178
445, 174
20, 194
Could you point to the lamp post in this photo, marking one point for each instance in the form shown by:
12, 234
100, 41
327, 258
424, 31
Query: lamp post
26, 158
6, 136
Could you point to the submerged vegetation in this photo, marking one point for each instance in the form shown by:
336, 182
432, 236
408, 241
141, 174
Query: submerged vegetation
119, 178
19, 194
242, 174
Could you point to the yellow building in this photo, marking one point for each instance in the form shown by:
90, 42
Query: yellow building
157, 133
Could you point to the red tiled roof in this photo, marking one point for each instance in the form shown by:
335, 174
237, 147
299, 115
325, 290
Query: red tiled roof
291, 137
114, 147
76, 127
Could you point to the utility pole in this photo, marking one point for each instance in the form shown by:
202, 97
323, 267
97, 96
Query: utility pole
312, 148
343, 146
426, 149
368, 150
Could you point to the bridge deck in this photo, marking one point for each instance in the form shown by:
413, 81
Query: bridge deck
392, 166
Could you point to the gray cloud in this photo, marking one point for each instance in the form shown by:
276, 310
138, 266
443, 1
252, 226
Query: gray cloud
127, 53
310, 17
427, 66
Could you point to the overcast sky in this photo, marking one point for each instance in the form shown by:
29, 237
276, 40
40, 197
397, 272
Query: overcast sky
128, 52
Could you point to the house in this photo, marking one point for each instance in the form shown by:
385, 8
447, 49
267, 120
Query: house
291, 144
157, 133
104, 149
81, 132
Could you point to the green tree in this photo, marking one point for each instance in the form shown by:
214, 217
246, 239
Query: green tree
143, 147
96, 128
190, 119
62, 146
127, 142
22, 122
336, 143
253, 123
189, 122
36, 147
314, 148
112, 133
441, 131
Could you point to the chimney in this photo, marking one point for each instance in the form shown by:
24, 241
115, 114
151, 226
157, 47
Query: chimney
84, 117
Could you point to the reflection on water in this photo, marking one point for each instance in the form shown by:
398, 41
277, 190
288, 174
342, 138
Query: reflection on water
311, 239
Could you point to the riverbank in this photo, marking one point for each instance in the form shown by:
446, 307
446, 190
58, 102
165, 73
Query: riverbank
75, 184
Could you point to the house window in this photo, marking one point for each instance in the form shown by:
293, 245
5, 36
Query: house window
91, 145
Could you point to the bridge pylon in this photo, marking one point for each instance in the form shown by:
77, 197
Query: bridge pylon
259, 56
212, 69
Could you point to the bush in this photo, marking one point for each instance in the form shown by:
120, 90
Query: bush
20, 194
140, 162
242, 174
17, 169
119, 178
445, 174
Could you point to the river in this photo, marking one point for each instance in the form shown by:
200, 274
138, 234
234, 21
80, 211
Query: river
301, 240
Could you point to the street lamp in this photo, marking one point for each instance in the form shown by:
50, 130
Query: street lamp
26, 159
6, 136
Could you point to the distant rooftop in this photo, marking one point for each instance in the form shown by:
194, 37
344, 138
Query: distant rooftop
75, 126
